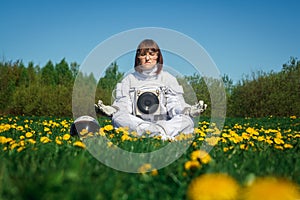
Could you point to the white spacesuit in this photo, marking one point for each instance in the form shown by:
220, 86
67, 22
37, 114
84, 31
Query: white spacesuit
151, 99
166, 116
163, 112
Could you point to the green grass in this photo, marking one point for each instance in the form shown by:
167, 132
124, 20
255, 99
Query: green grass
64, 171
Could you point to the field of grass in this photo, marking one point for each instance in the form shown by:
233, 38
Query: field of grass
250, 157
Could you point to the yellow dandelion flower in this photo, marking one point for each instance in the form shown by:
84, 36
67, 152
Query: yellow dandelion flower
4, 127
32, 141
184, 136
210, 130
293, 117
110, 144
194, 144
212, 141
199, 132
22, 143
217, 131
278, 141
270, 131
261, 138
46, 129
20, 128
20, 149
79, 144
154, 172
278, 147
66, 136
252, 131
279, 135
108, 127
226, 135
201, 156
251, 143
191, 164
122, 129
225, 149
22, 137
101, 132
14, 145
45, 139
144, 168
243, 146
237, 126
28, 134
236, 139
126, 137
271, 188
288, 146
287, 131
246, 136
58, 141
7, 140
269, 141
83, 131
223, 140
213, 187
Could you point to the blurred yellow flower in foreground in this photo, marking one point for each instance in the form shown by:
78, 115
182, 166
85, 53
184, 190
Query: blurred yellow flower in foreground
271, 188
213, 187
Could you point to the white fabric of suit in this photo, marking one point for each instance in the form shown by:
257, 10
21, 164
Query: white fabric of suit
170, 122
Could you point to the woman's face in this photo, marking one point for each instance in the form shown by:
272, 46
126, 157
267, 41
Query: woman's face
148, 59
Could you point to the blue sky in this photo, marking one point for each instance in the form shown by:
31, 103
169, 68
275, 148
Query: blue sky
240, 36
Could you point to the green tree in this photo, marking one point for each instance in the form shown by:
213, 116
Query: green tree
32, 73
108, 82
64, 75
48, 74
74, 69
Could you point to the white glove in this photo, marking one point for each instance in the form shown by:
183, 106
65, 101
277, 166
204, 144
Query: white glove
197, 109
107, 110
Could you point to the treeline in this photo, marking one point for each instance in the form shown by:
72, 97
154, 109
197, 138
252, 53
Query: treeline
47, 90
33, 90
266, 94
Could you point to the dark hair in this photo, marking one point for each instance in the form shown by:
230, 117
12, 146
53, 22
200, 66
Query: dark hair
149, 45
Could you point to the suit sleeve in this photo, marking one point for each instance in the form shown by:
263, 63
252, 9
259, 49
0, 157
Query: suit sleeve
175, 102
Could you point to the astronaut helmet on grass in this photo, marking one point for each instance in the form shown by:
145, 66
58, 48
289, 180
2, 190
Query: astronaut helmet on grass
84, 125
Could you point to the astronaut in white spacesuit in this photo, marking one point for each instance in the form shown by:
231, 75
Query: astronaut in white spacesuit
150, 99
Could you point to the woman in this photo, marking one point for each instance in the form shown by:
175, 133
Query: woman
151, 99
